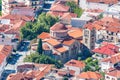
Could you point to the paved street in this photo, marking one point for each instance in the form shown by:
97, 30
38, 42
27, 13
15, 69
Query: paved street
14, 60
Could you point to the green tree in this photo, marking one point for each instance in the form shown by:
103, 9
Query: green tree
42, 24
39, 49
65, 78
100, 16
74, 8
41, 58
91, 65
72, 5
78, 11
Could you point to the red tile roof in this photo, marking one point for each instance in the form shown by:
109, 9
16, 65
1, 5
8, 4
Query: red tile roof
113, 59
108, 49
68, 42
53, 42
58, 26
90, 75
17, 18
46, 47
105, 1
75, 33
59, 8
106, 23
68, 16
61, 49
114, 73
55, 14
65, 72
34, 74
43, 35
2, 58
75, 63
5, 51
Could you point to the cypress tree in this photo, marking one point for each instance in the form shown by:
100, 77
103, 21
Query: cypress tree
39, 48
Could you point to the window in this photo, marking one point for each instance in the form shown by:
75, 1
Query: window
2, 40
111, 38
113, 79
86, 32
107, 77
86, 41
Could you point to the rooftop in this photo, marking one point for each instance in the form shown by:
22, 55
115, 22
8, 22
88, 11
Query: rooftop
114, 73
113, 59
104, 1
90, 75
75, 63
108, 49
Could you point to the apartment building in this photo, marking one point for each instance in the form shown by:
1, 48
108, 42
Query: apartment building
96, 4
8, 5
109, 62
106, 29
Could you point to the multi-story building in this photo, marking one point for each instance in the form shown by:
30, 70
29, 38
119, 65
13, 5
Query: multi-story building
8, 5
31, 71
105, 29
63, 43
75, 65
109, 62
36, 4
112, 74
96, 4
105, 51
89, 37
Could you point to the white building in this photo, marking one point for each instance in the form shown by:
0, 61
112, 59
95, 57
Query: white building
112, 74
113, 11
8, 5
75, 65
5, 52
96, 4
109, 62
85, 18
9, 39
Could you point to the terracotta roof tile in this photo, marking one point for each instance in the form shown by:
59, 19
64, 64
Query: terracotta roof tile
68, 42
61, 49
58, 26
5, 50
46, 47
55, 14
106, 23
53, 42
90, 75
75, 63
75, 33
68, 16
104, 1
60, 8
113, 59
114, 73
109, 50
43, 35
34, 74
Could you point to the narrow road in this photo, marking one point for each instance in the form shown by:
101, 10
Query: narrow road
17, 59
